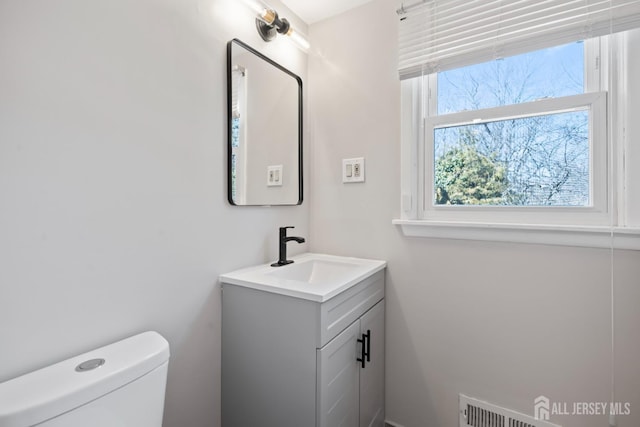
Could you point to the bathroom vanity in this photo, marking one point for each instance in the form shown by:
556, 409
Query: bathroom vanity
303, 344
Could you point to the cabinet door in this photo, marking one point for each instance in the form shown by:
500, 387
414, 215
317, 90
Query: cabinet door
338, 380
372, 375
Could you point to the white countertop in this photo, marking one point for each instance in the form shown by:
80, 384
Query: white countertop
314, 277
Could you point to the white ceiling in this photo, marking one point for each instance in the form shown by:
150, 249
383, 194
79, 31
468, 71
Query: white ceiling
311, 11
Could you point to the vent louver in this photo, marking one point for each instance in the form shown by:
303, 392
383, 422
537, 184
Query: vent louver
476, 413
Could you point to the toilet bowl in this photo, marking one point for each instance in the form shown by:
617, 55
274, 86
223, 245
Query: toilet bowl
118, 385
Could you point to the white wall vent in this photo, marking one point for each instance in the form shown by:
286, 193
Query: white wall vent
476, 413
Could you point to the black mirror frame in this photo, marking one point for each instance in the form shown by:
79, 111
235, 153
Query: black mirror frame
230, 118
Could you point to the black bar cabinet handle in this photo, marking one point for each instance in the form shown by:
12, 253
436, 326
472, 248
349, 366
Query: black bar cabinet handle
368, 345
365, 350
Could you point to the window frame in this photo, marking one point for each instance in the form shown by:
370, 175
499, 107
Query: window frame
595, 214
419, 98
623, 163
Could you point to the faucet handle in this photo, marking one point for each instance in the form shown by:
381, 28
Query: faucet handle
283, 232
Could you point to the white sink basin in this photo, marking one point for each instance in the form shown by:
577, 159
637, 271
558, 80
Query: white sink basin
315, 277
314, 271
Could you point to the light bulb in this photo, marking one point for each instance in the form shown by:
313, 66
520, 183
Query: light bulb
264, 12
298, 39
267, 16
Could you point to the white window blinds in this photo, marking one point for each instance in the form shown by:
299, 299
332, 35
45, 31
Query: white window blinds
237, 75
437, 35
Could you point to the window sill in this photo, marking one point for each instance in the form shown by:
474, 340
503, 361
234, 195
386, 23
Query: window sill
581, 236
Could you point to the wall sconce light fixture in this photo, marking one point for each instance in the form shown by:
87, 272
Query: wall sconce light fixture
269, 24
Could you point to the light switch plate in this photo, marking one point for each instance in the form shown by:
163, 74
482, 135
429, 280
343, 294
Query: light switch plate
353, 170
274, 176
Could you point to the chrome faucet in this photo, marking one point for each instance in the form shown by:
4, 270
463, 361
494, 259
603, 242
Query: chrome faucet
283, 247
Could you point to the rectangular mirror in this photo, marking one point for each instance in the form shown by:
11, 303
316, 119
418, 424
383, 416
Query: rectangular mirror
265, 129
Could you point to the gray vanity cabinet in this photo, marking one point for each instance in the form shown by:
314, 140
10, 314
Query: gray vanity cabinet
353, 391
293, 362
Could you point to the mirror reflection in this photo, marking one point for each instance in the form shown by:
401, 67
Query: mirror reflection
265, 129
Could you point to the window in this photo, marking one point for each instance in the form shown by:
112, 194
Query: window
523, 131
530, 139
238, 110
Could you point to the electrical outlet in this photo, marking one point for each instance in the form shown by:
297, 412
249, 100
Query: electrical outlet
353, 170
274, 176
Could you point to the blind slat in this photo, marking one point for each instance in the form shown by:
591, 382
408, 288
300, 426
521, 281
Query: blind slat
237, 75
443, 34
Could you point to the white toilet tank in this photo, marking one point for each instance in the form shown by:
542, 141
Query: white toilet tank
119, 385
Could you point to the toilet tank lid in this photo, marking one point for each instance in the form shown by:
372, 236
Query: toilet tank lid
43, 394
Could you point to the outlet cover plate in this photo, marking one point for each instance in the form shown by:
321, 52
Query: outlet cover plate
353, 170
274, 176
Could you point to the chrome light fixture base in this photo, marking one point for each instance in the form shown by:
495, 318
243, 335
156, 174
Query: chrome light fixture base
269, 28
269, 25
266, 31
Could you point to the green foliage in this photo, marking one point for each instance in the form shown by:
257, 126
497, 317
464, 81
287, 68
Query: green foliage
463, 176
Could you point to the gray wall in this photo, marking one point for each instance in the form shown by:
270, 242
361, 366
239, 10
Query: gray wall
501, 322
114, 217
